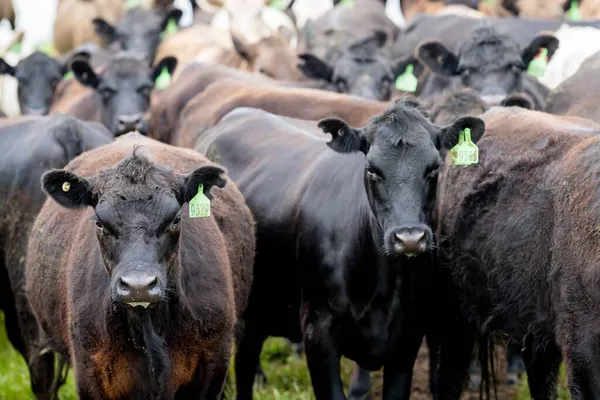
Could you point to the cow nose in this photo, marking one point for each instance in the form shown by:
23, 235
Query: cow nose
128, 123
410, 242
138, 290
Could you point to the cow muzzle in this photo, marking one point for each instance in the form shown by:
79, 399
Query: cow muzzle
138, 289
410, 242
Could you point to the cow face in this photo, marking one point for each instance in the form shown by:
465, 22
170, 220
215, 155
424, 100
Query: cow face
490, 63
363, 69
125, 87
37, 76
138, 31
137, 220
403, 156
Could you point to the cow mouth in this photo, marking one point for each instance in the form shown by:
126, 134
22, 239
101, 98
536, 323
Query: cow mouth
144, 304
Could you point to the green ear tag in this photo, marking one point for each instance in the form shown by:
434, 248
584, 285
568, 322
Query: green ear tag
465, 152
407, 81
574, 12
163, 80
16, 48
132, 4
347, 3
278, 4
170, 29
68, 75
200, 205
537, 67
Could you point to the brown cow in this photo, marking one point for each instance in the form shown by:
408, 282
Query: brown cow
31, 146
73, 25
142, 299
578, 95
207, 108
272, 56
518, 239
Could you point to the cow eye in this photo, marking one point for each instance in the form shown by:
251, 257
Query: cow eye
177, 220
99, 225
145, 91
372, 173
515, 68
264, 72
432, 171
341, 84
466, 72
107, 92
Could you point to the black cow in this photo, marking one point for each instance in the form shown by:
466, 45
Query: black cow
124, 87
139, 30
364, 68
30, 147
345, 231
518, 241
491, 63
38, 75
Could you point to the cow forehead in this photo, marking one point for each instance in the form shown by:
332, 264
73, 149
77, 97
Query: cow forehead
401, 127
490, 54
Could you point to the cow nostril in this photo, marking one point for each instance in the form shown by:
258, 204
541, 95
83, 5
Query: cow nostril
410, 242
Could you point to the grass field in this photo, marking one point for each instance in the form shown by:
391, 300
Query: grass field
288, 376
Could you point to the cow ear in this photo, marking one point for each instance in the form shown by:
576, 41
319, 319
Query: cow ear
518, 100
315, 68
68, 189
170, 63
243, 48
84, 73
175, 14
545, 40
80, 55
6, 68
105, 30
437, 58
207, 176
344, 138
448, 137
399, 65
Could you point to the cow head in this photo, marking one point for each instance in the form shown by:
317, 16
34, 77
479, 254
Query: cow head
490, 63
37, 76
362, 69
125, 87
137, 220
403, 156
272, 56
138, 31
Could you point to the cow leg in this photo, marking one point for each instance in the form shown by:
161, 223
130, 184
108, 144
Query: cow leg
542, 370
214, 372
360, 387
247, 359
323, 357
583, 365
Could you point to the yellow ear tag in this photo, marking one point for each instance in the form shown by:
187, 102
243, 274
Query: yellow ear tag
200, 204
465, 152
163, 80
537, 67
66, 186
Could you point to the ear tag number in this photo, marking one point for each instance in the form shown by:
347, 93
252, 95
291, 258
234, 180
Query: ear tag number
537, 67
465, 152
163, 80
170, 29
200, 205
407, 81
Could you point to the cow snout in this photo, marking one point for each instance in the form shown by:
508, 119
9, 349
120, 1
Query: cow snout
138, 290
128, 123
410, 242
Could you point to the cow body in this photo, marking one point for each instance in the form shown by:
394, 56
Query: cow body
177, 347
518, 240
30, 147
327, 261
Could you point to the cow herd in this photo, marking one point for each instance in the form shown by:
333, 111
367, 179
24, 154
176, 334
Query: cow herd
171, 196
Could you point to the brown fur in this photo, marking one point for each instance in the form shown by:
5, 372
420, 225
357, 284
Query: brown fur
73, 25
74, 99
7, 11
272, 55
410, 8
62, 252
579, 95
590, 9
208, 107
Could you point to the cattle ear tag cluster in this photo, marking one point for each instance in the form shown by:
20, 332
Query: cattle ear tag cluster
163, 79
537, 67
407, 81
465, 152
66, 186
574, 14
170, 29
200, 204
